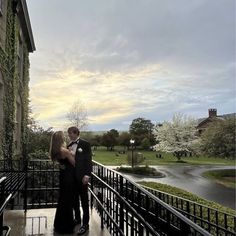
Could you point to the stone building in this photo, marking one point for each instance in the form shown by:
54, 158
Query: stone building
16, 42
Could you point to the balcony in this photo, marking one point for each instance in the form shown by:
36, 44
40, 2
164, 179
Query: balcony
40, 222
118, 205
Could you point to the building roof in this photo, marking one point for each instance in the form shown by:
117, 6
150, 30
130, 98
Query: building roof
23, 14
221, 117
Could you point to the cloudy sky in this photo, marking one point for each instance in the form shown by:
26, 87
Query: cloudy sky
131, 58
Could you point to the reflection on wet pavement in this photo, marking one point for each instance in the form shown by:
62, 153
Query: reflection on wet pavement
189, 178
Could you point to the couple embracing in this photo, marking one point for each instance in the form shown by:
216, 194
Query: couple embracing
75, 162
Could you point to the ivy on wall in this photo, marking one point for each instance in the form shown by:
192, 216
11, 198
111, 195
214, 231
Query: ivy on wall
25, 101
13, 86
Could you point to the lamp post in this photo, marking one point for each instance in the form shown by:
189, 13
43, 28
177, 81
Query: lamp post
132, 151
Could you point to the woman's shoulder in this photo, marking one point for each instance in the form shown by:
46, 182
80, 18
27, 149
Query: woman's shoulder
64, 152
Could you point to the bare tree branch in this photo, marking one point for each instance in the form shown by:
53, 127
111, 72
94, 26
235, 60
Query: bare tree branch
77, 115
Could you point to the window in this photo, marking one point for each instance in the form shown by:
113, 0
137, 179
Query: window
1, 7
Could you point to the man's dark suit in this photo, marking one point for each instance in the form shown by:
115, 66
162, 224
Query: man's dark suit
83, 166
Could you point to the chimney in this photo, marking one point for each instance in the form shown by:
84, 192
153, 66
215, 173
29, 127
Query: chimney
212, 112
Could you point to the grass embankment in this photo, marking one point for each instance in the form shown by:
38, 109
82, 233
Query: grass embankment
140, 170
115, 159
224, 177
194, 198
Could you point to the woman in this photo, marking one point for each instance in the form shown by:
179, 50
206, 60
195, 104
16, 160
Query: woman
63, 222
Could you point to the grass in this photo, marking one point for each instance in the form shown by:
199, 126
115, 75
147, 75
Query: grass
224, 177
192, 197
113, 158
141, 170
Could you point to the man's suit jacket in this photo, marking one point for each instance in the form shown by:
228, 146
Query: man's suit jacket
83, 160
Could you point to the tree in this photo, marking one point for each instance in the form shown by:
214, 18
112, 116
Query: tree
141, 128
38, 140
114, 133
124, 139
145, 144
177, 137
96, 141
77, 115
109, 139
218, 139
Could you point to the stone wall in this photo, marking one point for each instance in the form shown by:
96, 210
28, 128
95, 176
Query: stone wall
3, 22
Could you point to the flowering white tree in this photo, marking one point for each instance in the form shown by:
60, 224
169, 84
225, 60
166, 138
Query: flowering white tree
177, 137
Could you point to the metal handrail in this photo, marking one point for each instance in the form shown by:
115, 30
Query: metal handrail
7, 229
3, 206
107, 213
129, 206
163, 204
184, 199
2, 179
178, 203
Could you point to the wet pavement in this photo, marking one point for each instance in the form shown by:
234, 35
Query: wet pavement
188, 177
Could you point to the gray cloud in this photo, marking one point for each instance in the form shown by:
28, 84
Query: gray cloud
193, 41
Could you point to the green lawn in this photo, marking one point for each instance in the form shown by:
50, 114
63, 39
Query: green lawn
110, 158
224, 177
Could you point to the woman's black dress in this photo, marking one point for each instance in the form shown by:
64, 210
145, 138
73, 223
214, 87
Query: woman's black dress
63, 222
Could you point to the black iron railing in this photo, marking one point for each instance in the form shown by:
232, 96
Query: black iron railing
115, 212
43, 184
16, 181
4, 200
162, 218
124, 206
214, 221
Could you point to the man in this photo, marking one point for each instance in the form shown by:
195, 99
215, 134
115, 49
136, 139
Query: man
83, 168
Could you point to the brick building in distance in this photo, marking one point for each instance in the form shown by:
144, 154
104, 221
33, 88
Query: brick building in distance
203, 123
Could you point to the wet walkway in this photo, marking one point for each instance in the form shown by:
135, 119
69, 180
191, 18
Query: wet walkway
188, 177
22, 225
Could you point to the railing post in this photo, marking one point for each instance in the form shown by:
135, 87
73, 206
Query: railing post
91, 187
121, 204
2, 188
102, 201
25, 169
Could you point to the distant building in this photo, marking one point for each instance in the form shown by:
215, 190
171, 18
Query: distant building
203, 123
16, 42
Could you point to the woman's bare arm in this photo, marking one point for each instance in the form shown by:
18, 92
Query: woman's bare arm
67, 155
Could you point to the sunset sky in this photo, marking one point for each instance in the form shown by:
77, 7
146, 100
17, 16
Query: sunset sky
131, 58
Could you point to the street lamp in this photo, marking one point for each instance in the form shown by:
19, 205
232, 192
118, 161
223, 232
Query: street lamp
132, 149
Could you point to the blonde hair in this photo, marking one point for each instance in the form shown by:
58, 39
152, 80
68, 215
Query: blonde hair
57, 141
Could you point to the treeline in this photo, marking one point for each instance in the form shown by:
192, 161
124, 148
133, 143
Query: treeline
177, 137
140, 130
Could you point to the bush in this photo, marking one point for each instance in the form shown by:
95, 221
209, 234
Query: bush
39, 155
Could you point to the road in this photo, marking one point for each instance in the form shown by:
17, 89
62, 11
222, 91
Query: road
189, 178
